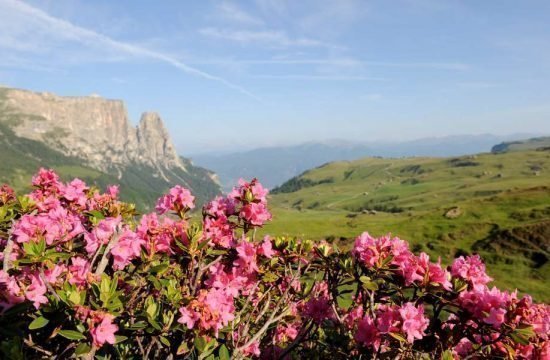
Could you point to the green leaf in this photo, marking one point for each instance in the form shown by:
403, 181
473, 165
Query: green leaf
519, 339
159, 268
223, 353
447, 355
38, 323
165, 341
82, 349
525, 330
97, 214
368, 283
270, 277
71, 335
30, 248
137, 326
200, 344
397, 336
120, 338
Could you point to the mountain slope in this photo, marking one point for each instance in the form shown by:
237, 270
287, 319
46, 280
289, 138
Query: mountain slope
494, 204
91, 138
274, 165
529, 144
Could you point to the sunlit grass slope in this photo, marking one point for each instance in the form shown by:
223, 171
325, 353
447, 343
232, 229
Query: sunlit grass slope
495, 204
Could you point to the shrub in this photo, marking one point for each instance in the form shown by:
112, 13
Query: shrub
84, 276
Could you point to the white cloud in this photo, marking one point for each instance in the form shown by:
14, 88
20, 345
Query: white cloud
232, 12
268, 38
39, 23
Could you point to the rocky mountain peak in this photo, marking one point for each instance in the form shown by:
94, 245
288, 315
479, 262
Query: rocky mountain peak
92, 128
154, 140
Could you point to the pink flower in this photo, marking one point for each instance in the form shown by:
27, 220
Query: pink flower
433, 273
178, 199
414, 321
52, 275
367, 333
353, 315
373, 252
388, 319
211, 310
463, 348
229, 282
7, 195
46, 181
36, 291
496, 317
491, 306
286, 333
219, 231
79, 271
252, 349
247, 256
266, 248
126, 249
56, 225
318, 309
220, 207
10, 292
75, 191
104, 331
159, 237
113, 191
255, 213
251, 191
101, 234
470, 269
188, 318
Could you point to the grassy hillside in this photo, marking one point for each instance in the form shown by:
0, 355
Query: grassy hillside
542, 142
494, 204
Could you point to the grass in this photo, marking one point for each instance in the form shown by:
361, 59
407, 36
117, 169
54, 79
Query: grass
493, 192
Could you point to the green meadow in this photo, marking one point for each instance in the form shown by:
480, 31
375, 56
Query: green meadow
497, 205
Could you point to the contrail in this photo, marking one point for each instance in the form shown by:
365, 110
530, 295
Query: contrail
73, 32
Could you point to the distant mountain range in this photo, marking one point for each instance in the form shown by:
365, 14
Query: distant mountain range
274, 165
92, 138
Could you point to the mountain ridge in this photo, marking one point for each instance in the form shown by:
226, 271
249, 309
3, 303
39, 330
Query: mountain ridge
98, 133
276, 164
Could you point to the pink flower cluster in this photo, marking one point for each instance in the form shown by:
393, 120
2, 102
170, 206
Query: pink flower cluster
58, 219
214, 307
245, 207
408, 320
377, 252
178, 199
470, 269
109, 281
252, 197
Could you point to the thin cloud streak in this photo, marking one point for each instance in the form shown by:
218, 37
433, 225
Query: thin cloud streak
319, 77
69, 31
266, 37
233, 13
457, 66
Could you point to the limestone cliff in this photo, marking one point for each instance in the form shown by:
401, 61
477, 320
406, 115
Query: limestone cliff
92, 137
94, 129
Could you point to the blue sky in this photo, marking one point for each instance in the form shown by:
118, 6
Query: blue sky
239, 74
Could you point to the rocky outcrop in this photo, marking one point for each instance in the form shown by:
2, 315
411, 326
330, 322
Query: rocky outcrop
92, 128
